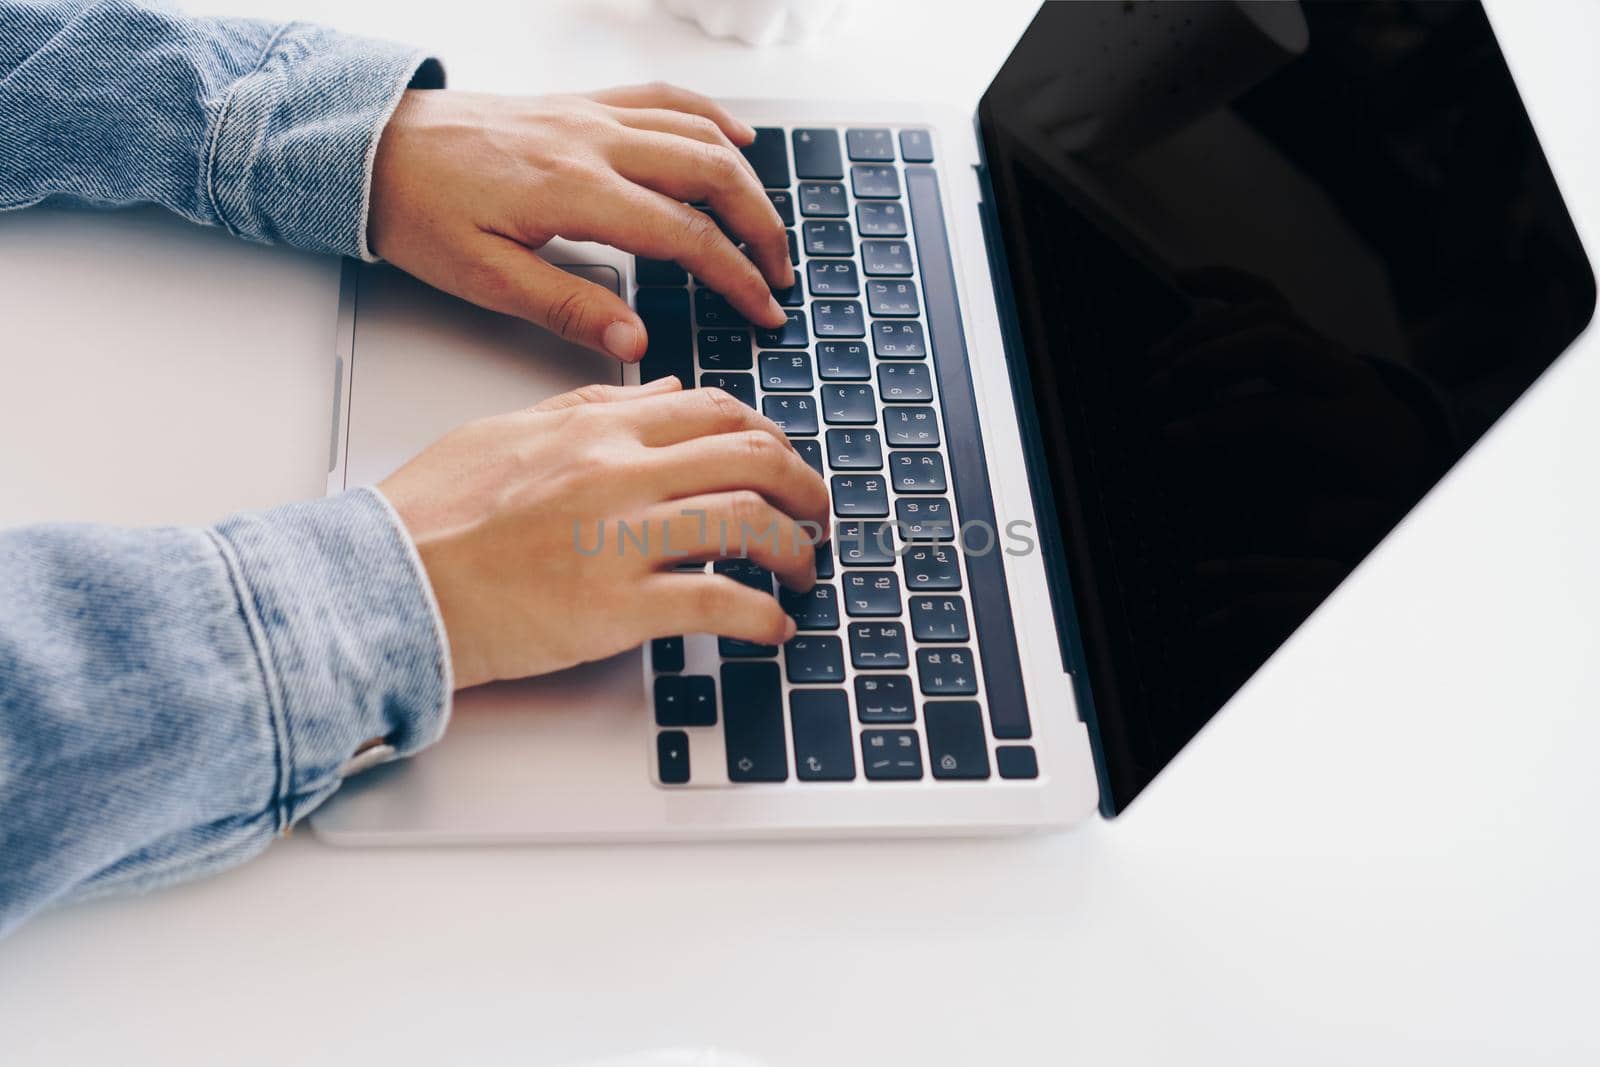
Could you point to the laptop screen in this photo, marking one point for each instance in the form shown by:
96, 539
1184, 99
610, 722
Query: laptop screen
1275, 267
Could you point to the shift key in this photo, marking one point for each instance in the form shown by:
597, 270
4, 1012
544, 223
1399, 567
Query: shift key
752, 722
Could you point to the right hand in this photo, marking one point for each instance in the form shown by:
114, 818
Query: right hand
504, 512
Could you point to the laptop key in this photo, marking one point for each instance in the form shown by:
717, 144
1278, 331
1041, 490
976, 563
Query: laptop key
781, 371
792, 334
823, 237
725, 349
869, 146
822, 742
859, 496
745, 572
816, 154
824, 551
740, 386
864, 544
711, 308
814, 659
855, 450
823, 200
734, 648
838, 318
870, 593
928, 519
916, 146
685, 700
794, 248
815, 609
882, 698
843, 361
671, 337
917, 472
939, 618
892, 298
931, 568
891, 755
910, 427
752, 722
947, 672
658, 272
871, 181
880, 219
792, 297
890, 259
898, 340
903, 383
783, 204
770, 157
849, 405
666, 654
795, 415
1016, 761
957, 747
811, 452
672, 757
878, 646
832, 277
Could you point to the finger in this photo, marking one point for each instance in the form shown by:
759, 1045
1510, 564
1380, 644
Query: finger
748, 459
692, 413
509, 278
713, 604
599, 393
691, 170
735, 525
651, 224
680, 123
662, 95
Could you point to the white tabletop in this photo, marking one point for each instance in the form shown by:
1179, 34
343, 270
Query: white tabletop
1384, 850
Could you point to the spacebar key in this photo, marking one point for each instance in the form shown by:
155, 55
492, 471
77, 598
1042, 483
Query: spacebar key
752, 722
969, 470
671, 337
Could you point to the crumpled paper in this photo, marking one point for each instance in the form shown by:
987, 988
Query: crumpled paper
761, 22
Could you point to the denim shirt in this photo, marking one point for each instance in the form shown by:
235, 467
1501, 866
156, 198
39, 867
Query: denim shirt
172, 699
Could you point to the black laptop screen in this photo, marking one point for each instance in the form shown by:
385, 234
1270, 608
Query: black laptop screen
1275, 267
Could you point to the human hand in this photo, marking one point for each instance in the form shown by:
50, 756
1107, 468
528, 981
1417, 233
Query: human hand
466, 187
506, 513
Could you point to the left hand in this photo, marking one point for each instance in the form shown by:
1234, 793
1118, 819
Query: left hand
466, 187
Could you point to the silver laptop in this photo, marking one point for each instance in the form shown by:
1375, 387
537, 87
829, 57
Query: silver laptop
1111, 388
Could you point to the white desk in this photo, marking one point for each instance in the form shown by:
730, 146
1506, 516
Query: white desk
1383, 851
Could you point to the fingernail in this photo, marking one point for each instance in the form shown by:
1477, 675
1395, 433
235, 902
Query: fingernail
622, 340
775, 309
747, 131
790, 628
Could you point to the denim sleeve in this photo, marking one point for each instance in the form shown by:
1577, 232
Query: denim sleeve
171, 699
268, 130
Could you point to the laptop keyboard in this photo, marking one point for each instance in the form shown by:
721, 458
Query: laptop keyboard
905, 666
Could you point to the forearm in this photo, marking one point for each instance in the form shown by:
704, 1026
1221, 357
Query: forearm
171, 699
267, 129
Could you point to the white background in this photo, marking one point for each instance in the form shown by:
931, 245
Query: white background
1384, 850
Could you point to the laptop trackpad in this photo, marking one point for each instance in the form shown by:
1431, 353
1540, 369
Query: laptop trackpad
425, 362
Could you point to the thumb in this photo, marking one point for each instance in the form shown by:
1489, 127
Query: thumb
599, 393
526, 285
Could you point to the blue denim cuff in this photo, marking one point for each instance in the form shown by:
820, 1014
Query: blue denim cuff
290, 158
347, 632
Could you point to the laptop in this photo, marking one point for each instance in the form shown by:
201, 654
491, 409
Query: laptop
1112, 387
